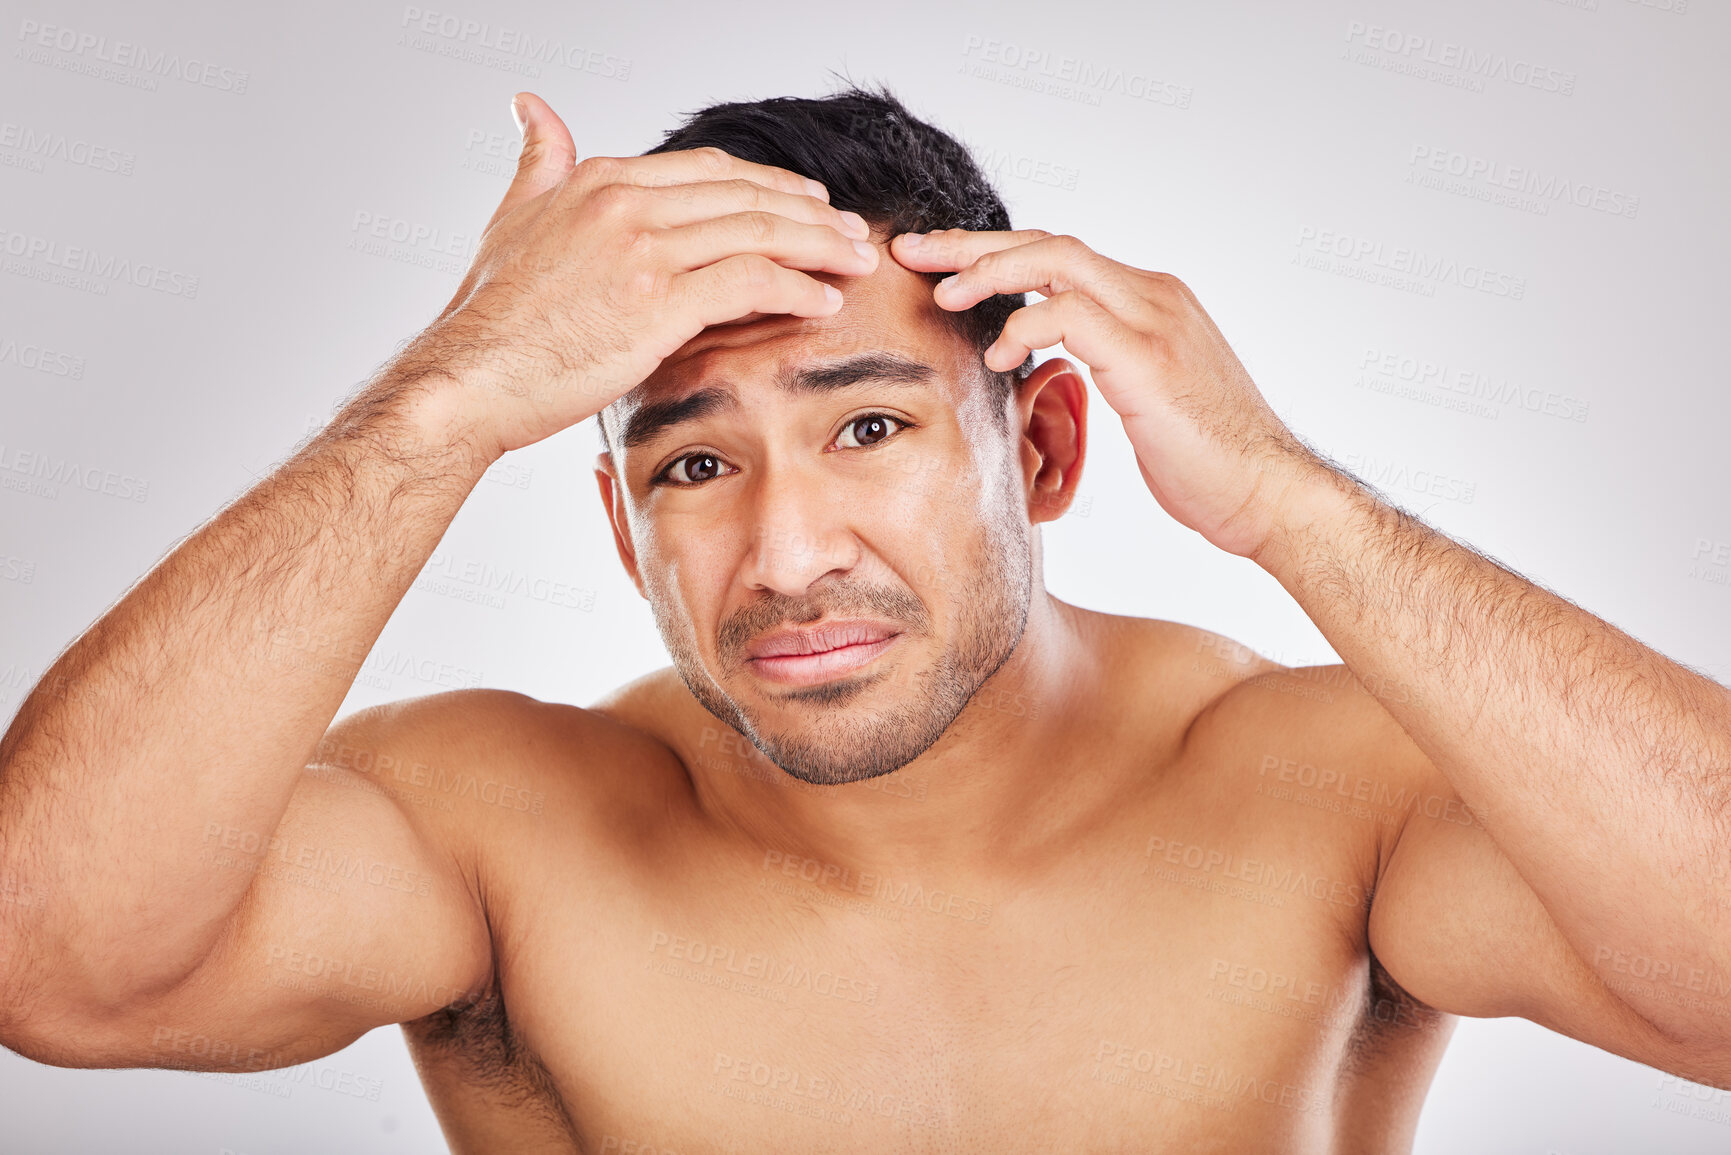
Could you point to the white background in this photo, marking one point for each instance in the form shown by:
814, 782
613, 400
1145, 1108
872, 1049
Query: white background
1265, 133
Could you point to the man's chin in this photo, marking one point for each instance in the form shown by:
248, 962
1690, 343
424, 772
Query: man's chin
836, 694
834, 733
823, 764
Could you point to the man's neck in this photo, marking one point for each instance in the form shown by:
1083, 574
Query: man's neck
999, 772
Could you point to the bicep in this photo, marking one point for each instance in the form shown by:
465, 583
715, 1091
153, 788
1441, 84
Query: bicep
1459, 928
359, 914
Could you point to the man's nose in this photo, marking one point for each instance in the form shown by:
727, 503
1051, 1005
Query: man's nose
799, 533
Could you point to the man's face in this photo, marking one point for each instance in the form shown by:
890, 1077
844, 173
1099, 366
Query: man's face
828, 519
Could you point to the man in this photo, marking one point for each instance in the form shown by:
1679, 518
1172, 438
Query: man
902, 853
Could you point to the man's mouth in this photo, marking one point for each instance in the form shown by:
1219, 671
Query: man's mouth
805, 656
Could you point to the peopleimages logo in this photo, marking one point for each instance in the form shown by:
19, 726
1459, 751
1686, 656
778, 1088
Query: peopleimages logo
1399, 266
83, 51
446, 34
91, 269
42, 474
27, 147
1434, 381
26, 355
1530, 189
1448, 62
1068, 77
998, 164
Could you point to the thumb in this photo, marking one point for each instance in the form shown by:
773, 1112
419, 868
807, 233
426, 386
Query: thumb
548, 154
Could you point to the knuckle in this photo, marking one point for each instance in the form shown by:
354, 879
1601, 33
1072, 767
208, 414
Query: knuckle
638, 245
756, 271
760, 227
711, 159
1070, 246
1071, 303
649, 284
614, 200
990, 268
1108, 291
1082, 309
597, 169
750, 193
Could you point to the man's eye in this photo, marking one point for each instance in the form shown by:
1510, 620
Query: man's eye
693, 469
867, 430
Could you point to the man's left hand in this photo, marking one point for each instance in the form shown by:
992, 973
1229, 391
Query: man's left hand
1215, 455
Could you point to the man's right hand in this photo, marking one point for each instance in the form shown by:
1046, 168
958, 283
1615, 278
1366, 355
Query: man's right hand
591, 273
155, 776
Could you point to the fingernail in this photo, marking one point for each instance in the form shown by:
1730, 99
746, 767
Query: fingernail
832, 295
949, 281
866, 252
856, 224
913, 239
816, 189
520, 114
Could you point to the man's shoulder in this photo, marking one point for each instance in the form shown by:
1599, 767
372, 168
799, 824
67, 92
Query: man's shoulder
1182, 669
1243, 711
1318, 703
485, 756
1323, 739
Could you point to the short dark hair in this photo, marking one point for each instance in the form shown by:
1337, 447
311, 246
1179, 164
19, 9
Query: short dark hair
877, 159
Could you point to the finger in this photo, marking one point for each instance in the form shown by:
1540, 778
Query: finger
794, 244
946, 250
548, 154
1050, 265
749, 283
1072, 319
688, 166
672, 205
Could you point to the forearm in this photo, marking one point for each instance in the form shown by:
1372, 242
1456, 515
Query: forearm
1600, 768
175, 727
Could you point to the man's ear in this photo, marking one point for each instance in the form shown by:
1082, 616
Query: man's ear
613, 498
1052, 409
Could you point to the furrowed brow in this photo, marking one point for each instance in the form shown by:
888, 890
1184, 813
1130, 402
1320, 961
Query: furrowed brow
649, 420
653, 418
876, 367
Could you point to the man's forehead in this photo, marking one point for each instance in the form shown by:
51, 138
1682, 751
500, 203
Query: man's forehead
649, 411
887, 316
890, 307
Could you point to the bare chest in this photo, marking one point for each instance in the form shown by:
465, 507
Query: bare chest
1124, 1002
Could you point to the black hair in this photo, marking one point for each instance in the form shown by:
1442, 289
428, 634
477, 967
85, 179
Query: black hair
876, 159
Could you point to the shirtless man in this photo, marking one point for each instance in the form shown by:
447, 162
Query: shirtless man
902, 853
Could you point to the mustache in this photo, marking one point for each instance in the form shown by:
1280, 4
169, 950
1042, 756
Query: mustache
839, 600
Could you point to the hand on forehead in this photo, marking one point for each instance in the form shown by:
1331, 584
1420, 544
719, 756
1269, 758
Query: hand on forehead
889, 309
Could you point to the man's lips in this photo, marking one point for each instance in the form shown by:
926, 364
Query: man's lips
796, 656
793, 640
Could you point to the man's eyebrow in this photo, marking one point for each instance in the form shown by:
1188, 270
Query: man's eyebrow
649, 419
887, 367
652, 418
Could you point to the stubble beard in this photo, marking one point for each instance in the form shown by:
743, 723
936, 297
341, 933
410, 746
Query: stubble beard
839, 744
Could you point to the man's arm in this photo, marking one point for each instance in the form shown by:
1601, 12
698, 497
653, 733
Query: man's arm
1450, 916
362, 907
148, 778
1600, 769
189, 710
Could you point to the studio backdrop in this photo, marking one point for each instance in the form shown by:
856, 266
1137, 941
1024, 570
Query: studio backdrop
1498, 294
